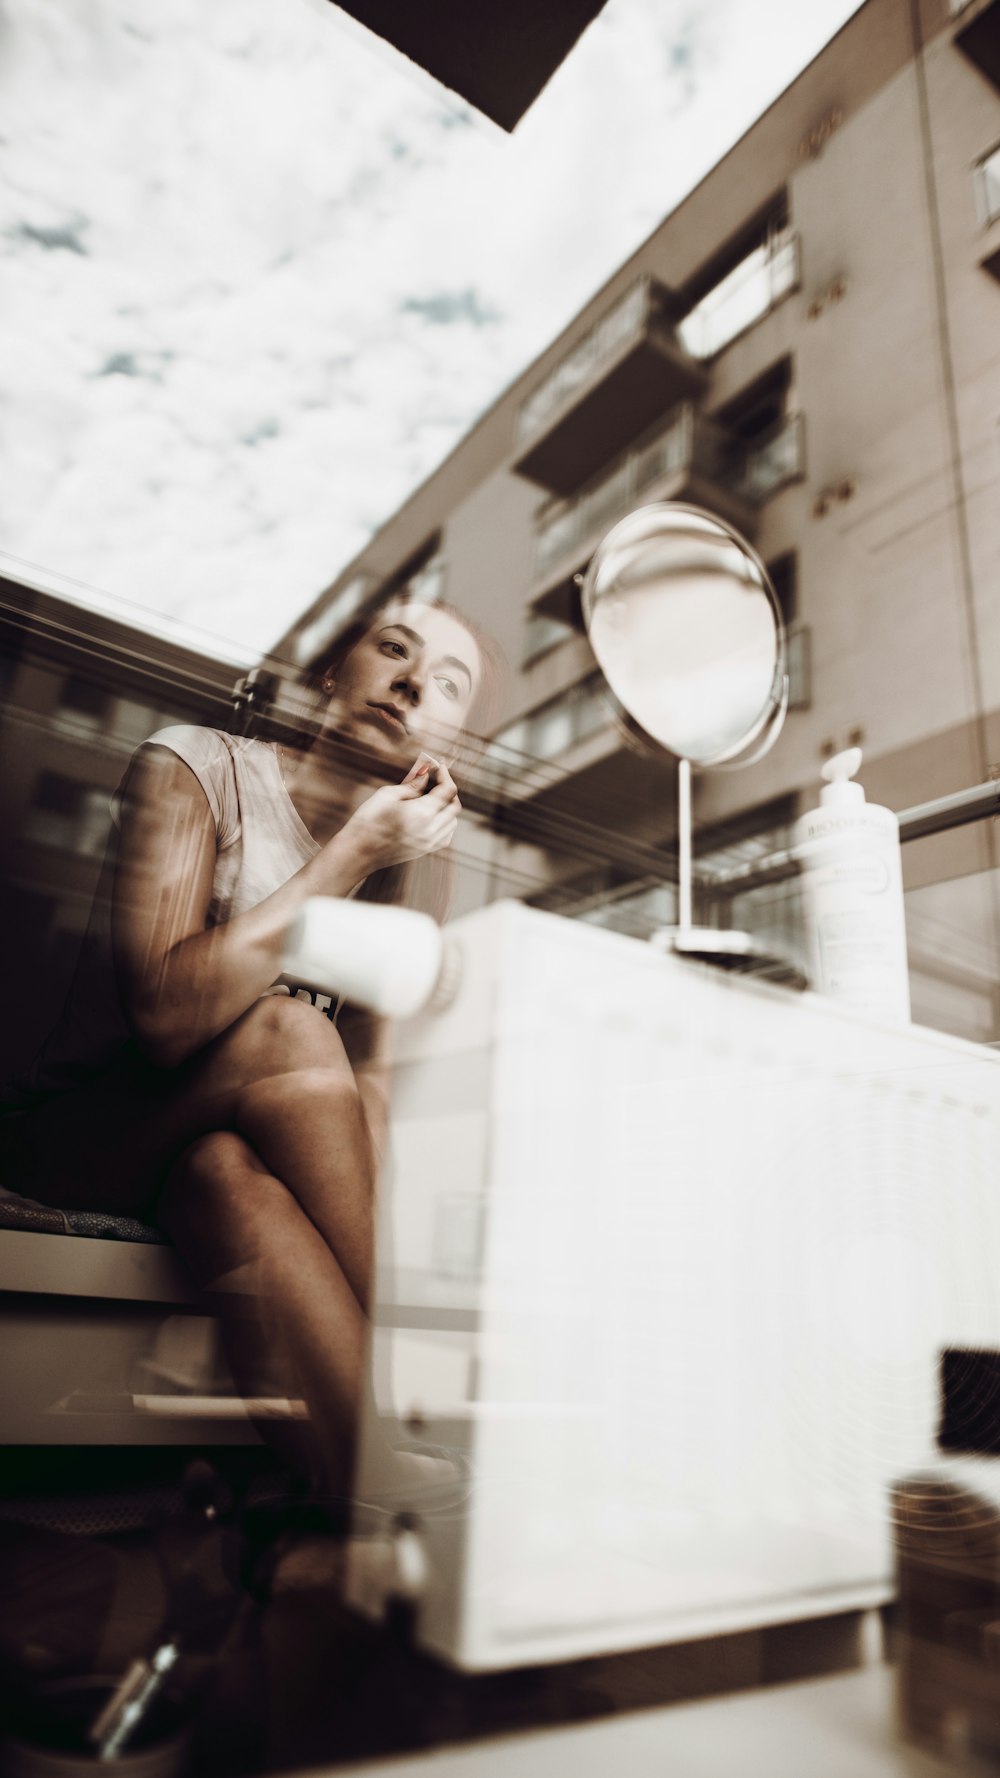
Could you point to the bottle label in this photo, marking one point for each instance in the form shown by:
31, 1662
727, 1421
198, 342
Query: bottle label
864, 873
834, 824
855, 921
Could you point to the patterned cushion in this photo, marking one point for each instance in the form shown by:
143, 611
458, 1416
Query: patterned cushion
25, 1213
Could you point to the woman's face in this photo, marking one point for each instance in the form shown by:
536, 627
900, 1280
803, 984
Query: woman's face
407, 685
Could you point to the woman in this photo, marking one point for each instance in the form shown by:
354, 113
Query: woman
247, 1122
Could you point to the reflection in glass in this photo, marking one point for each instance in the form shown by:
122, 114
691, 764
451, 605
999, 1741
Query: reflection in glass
989, 187
744, 296
686, 627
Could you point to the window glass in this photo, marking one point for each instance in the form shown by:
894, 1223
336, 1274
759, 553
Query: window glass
989, 187
69, 815
743, 296
542, 633
85, 700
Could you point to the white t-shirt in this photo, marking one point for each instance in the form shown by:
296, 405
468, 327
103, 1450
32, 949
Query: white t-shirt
260, 843
260, 840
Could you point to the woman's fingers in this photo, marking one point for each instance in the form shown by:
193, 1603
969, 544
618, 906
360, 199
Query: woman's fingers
440, 829
445, 790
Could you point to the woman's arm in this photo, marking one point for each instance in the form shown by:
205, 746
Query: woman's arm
182, 984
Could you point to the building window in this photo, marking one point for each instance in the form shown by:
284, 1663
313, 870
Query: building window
799, 641
767, 430
783, 574
421, 576
773, 461
988, 188
427, 583
541, 634
85, 704
746, 284
69, 815
555, 727
331, 619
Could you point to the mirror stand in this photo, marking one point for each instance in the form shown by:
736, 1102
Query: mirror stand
725, 947
687, 628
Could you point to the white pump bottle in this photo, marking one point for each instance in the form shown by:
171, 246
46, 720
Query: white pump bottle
852, 883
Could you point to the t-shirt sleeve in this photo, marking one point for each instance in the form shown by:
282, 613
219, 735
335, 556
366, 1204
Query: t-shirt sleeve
206, 752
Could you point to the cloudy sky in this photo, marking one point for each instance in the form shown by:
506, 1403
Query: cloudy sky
258, 275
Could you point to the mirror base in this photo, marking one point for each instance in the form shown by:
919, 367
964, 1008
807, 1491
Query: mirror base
736, 951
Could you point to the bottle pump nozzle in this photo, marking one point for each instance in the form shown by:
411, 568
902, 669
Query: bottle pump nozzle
838, 774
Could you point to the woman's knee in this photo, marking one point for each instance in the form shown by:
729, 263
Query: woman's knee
278, 1035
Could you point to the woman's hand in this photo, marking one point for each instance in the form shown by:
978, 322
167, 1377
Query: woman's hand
403, 821
184, 982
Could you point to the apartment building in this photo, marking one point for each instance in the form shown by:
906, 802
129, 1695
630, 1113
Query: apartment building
79, 690
809, 346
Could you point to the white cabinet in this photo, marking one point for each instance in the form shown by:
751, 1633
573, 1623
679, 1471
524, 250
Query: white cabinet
670, 1255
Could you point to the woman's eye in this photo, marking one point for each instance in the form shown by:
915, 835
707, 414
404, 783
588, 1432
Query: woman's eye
397, 649
449, 687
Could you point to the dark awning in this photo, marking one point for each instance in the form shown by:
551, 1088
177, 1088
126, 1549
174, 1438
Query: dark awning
979, 36
497, 54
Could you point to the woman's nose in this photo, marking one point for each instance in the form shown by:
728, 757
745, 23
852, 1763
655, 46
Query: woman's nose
410, 683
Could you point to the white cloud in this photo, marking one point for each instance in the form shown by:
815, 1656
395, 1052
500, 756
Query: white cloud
303, 269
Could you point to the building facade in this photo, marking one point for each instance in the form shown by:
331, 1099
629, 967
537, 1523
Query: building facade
79, 690
809, 346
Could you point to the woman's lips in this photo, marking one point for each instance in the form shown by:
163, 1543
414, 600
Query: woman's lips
389, 717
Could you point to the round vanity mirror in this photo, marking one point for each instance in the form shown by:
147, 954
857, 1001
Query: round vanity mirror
687, 630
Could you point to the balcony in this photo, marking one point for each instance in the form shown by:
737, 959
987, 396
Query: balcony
744, 296
771, 462
614, 383
689, 458
978, 36
798, 641
569, 755
543, 750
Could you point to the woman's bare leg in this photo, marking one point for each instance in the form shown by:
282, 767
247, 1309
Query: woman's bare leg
261, 1157
281, 1292
234, 1223
279, 1075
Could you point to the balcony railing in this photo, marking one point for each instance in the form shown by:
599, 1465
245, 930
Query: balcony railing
549, 732
771, 462
746, 295
562, 530
602, 343
625, 372
988, 187
690, 445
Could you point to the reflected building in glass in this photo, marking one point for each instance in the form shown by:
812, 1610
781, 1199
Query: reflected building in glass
79, 690
808, 347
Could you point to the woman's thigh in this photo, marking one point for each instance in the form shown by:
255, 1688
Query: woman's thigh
108, 1145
